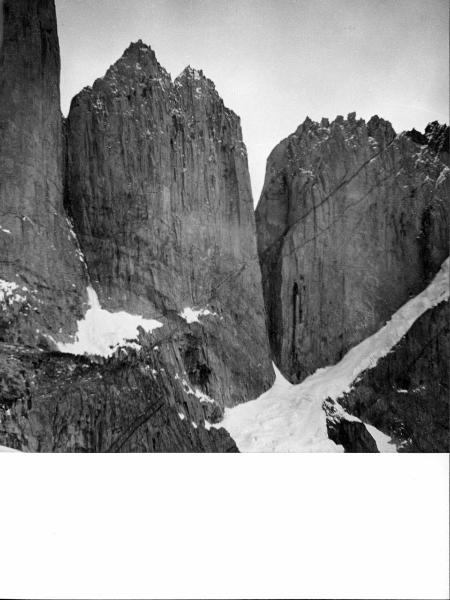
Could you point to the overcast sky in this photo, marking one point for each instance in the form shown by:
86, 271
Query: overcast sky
276, 61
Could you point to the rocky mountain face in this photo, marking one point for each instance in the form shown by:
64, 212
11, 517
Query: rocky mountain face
132, 402
406, 394
350, 433
158, 188
351, 223
138, 207
42, 279
436, 136
143, 194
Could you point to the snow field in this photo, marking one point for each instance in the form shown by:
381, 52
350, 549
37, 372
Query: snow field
101, 332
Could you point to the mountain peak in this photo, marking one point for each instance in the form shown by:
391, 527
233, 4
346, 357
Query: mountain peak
140, 53
195, 80
194, 77
380, 129
137, 47
191, 73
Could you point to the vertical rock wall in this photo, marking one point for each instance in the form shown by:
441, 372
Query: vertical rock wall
43, 278
351, 223
159, 191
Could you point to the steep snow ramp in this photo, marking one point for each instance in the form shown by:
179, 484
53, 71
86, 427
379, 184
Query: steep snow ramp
290, 418
102, 332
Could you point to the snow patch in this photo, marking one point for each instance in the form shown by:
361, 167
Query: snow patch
73, 235
9, 292
384, 442
98, 104
191, 315
286, 418
102, 332
442, 176
194, 391
290, 418
6, 449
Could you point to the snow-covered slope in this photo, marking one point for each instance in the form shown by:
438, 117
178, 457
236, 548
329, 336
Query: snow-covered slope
6, 449
102, 332
290, 418
383, 441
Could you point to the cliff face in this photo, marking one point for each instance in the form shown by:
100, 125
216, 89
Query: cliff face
145, 196
42, 279
154, 175
406, 394
351, 223
132, 402
436, 136
158, 188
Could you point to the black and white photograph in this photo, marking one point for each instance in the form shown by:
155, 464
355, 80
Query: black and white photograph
224, 228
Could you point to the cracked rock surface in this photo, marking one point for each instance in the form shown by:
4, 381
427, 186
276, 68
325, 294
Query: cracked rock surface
351, 223
406, 394
38, 250
159, 191
148, 179
131, 402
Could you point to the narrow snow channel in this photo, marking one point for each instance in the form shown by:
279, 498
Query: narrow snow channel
290, 418
102, 332
383, 441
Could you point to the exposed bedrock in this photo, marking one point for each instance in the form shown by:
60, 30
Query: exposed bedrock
352, 435
42, 281
131, 402
159, 191
351, 223
406, 394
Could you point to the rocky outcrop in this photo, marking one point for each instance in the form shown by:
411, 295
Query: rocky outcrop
406, 394
158, 188
132, 402
436, 136
351, 223
42, 281
350, 433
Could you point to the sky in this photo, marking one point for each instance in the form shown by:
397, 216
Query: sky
274, 62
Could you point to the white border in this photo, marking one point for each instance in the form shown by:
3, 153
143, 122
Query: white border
222, 526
